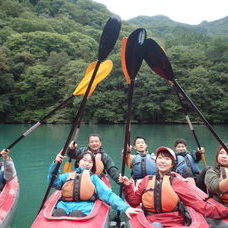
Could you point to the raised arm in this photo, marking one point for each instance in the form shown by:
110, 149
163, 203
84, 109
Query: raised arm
73, 151
133, 197
60, 178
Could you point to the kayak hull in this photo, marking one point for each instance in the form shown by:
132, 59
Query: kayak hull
99, 216
8, 202
140, 221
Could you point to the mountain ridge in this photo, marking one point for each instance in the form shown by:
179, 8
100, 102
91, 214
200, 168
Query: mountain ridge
217, 27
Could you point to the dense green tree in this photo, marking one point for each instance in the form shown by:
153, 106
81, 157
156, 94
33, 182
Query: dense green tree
46, 46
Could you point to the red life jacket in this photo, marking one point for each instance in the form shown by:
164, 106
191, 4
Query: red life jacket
79, 187
224, 175
159, 196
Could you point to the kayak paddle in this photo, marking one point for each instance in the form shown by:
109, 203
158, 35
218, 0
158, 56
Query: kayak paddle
108, 39
133, 55
157, 60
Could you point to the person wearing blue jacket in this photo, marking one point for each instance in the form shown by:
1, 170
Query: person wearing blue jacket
142, 163
72, 206
187, 161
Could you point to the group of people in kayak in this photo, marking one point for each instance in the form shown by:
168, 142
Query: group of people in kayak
143, 163
162, 184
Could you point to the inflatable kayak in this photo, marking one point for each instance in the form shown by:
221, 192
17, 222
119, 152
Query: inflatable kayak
198, 221
8, 202
99, 216
140, 221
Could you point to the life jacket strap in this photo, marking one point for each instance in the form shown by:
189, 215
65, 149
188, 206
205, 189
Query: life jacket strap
157, 196
76, 188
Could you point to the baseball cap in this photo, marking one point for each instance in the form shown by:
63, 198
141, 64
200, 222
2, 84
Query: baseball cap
163, 148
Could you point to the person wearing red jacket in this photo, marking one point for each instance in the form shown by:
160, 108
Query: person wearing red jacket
169, 199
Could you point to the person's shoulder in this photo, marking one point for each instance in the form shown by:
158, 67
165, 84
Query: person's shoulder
176, 177
190, 152
152, 155
145, 180
102, 150
106, 155
213, 169
83, 148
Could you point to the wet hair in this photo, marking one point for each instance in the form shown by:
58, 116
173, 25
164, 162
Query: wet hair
139, 137
94, 135
178, 141
217, 153
81, 156
165, 153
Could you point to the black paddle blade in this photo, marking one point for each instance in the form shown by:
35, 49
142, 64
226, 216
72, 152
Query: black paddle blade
135, 51
157, 60
109, 37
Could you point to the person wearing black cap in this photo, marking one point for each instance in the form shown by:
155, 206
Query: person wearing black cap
170, 200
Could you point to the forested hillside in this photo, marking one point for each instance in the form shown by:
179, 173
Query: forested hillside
46, 45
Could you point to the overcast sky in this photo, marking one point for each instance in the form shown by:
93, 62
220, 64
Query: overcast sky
185, 11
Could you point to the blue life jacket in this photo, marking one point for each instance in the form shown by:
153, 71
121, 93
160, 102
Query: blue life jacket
187, 164
142, 165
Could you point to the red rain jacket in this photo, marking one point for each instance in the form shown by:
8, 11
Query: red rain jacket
190, 195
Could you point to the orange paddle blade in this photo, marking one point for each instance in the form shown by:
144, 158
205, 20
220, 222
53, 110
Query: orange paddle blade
123, 59
67, 167
128, 160
203, 159
103, 71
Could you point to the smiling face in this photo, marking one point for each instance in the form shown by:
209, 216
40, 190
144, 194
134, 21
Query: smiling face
181, 148
94, 143
140, 145
164, 163
223, 157
86, 162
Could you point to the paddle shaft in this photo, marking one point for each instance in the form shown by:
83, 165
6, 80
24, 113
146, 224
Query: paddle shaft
190, 124
76, 123
31, 129
200, 114
127, 129
126, 142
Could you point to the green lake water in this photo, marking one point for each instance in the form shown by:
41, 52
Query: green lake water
34, 154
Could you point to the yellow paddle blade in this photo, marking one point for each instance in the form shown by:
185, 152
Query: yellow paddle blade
67, 167
123, 59
103, 71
